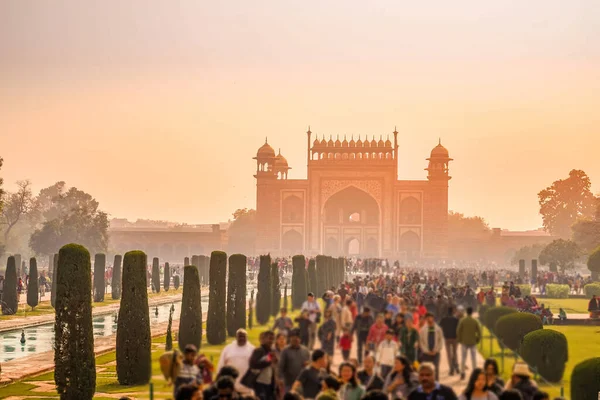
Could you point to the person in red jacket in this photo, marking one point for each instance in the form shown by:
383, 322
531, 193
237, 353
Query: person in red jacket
377, 333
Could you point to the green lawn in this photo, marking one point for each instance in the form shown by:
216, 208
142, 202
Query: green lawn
584, 343
571, 306
106, 380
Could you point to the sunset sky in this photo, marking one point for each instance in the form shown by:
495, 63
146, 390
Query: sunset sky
156, 108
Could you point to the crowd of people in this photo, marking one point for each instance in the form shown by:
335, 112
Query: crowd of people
375, 337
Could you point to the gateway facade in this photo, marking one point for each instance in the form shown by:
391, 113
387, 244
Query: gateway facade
352, 202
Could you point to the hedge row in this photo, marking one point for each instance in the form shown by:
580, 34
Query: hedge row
493, 314
592, 289
556, 291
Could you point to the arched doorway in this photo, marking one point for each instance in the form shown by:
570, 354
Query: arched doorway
351, 202
291, 242
410, 243
293, 209
353, 247
410, 211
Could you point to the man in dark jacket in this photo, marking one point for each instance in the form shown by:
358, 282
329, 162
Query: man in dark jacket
449, 324
368, 377
429, 388
362, 325
294, 358
263, 360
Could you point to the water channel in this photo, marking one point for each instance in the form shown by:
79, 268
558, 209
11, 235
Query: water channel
40, 338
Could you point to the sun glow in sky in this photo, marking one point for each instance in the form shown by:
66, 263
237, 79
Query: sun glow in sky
157, 108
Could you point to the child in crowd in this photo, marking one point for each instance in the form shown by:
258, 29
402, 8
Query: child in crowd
346, 343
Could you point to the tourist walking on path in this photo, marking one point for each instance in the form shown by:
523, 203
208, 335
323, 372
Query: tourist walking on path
368, 377
449, 325
264, 361
494, 382
351, 389
362, 325
402, 380
469, 335
386, 353
327, 334
308, 383
237, 354
294, 358
283, 324
409, 340
189, 373
429, 388
431, 342
522, 381
377, 333
311, 306
477, 388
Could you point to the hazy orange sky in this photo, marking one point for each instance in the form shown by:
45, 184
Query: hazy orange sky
157, 107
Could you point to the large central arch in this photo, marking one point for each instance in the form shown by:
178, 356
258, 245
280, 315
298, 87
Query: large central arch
354, 215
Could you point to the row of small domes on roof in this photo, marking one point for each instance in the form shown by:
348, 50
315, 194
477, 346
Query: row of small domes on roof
267, 152
345, 143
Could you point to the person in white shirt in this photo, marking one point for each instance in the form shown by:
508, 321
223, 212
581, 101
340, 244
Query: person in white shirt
312, 307
387, 351
237, 354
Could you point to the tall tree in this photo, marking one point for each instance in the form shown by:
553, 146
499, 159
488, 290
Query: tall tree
242, 232
134, 352
115, 286
299, 283
275, 290
99, 273
16, 206
190, 321
527, 253
264, 292
566, 201
167, 277
236, 294
74, 359
586, 232
155, 275
216, 319
33, 289
10, 299
561, 253
76, 218
465, 236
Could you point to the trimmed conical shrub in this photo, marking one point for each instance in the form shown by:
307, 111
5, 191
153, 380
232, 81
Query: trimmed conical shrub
10, 299
186, 261
155, 275
547, 351
321, 269
134, 360
264, 292
176, 282
585, 380
115, 286
512, 328
203, 267
275, 290
167, 277
74, 359
216, 320
493, 314
251, 310
312, 276
18, 265
53, 286
285, 297
169, 339
33, 289
190, 321
236, 294
299, 285
99, 270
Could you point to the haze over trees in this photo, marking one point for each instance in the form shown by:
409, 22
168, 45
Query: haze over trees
561, 253
566, 201
242, 232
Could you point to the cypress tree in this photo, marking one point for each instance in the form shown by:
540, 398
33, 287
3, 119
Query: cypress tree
155, 275
176, 281
312, 276
74, 359
99, 270
190, 321
275, 290
33, 289
167, 277
299, 286
133, 325
53, 287
186, 261
236, 294
115, 286
251, 310
285, 297
521, 268
203, 266
215, 324
10, 299
195, 261
18, 261
264, 292
321, 275
169, 340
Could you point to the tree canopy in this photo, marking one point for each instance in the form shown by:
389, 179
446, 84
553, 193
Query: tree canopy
566, 201
71, 216
16, 205
465, 235
527, 253
560, 252
242, 232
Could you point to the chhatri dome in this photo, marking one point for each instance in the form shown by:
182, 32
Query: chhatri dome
280, 161
265, 151
439, 151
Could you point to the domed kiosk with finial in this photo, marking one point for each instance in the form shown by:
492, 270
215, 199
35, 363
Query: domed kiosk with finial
265, 156
438, 163
280, 166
